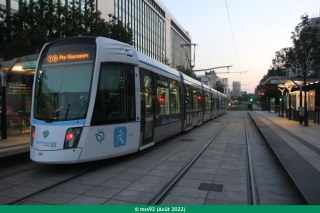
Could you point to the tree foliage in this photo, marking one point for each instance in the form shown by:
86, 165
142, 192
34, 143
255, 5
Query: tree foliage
303, 58
219, 87
187, 71
45, 21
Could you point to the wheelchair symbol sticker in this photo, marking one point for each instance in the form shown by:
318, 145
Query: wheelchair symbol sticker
120, 136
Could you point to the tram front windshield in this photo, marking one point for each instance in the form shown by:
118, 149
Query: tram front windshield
63, 80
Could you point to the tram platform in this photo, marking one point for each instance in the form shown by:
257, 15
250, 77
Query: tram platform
14, 146
297, 148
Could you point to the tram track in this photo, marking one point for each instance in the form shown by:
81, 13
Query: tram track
113, 162
164, 192
102, 164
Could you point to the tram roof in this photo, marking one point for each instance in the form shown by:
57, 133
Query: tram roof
283, 81
154, 63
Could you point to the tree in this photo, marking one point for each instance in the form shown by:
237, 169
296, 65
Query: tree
187, 71
45, 21
306, 57
166, 61
219, 87
306, 48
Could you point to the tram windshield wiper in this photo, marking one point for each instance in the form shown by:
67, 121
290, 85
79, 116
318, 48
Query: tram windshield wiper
44, 109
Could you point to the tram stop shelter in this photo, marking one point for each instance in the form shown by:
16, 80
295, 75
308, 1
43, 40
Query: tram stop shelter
290, 103
16, 90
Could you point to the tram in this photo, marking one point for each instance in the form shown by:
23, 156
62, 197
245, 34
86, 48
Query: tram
96, 98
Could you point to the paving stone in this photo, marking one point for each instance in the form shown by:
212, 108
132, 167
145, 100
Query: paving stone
103, 174
125, 176
38, 183
116, 168
239, 187
161, 173
53, 197
230, 179
154, 179
278, 191
89, 180
134, 196
4, 186
266, 199
168, 168
200, 176
17, 191
232, 172
146, 187
120, 202
197, 170
144, 166
101, 191
274, 182
15, 180
137, 171
223, 202
32, 203
191, 183
6, 200
189, 192
74, 188
119, 184
228, 196
181, 200
86, 200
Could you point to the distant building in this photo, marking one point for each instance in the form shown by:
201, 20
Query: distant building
210, 77
206, 80
236, 90
225, 83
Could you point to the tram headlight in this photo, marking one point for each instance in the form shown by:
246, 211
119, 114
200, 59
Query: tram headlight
72, 137
33, 130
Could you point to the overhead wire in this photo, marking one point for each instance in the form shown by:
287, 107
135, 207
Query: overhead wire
234, 43
204, 56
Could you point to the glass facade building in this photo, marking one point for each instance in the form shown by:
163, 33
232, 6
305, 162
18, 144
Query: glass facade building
148, 26
155, 32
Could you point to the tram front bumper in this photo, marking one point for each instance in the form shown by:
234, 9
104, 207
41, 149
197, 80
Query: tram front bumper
66, 156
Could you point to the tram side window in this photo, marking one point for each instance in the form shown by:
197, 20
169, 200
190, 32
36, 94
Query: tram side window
174, 97
188, 99
208, 102
195, 99
162, 95
110, 106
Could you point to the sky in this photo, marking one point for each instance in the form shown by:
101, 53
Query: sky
260, 28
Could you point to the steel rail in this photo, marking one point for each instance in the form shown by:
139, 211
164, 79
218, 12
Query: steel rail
252, 183
163, 193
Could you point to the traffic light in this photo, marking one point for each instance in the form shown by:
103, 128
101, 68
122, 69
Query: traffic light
262, 94
251, 99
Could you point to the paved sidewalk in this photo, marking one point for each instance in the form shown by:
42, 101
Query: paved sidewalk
14, 144
298, 149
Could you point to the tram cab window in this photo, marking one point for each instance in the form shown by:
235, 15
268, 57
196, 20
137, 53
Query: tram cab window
115, 102
162, 95
174, 97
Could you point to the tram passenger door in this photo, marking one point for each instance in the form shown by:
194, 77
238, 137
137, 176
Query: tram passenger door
188, 106
147, 106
